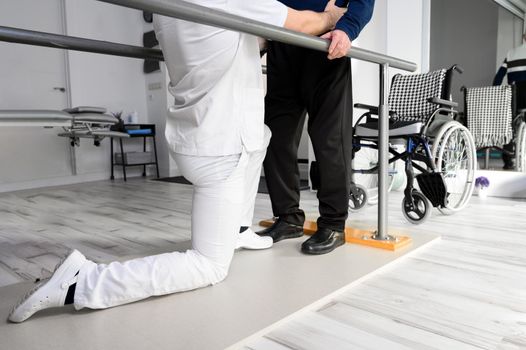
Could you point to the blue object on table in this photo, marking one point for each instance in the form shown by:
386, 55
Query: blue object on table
139, 132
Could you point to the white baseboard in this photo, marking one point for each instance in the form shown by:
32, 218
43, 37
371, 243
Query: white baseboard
64, 180
55, 181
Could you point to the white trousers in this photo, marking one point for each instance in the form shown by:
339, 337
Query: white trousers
225, 189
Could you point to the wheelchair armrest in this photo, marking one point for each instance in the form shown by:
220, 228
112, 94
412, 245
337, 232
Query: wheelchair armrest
442, 102
372, 109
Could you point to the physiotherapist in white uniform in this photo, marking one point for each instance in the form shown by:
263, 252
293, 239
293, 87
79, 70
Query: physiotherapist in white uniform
217, 137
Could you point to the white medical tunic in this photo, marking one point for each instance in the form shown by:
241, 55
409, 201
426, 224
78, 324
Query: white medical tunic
216, 81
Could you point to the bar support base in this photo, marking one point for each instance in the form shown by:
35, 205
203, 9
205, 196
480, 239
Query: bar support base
357, 236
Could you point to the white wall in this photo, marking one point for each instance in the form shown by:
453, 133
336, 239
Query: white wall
116, 83
399, 28
365, 75
97, 80
407, 31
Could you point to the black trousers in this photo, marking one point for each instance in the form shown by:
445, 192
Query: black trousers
302, 80
520, 95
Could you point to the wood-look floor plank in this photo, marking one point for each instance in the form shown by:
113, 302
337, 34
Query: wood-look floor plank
107, 221
467, 291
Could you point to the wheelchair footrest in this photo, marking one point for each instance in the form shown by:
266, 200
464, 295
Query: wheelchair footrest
434, 188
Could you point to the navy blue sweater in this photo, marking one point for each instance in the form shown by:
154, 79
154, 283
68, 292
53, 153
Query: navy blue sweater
359, 13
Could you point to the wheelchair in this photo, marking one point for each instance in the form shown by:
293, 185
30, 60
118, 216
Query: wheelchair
422, 119
497, 121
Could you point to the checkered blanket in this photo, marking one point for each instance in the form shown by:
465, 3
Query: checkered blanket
489, 115
409, 94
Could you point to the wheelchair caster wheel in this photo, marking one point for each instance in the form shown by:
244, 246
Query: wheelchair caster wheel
421, 210
357, 197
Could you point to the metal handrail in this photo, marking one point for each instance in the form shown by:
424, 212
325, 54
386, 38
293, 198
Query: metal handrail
57, 41
204, 15
31, 37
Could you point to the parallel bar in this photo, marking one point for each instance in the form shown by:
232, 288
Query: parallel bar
383, 153
65, 54
30, 37
23, 36
203, 15
200, 14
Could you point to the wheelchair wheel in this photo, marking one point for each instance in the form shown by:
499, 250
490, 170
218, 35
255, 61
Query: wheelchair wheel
455, 156
520, 148
420, 211
357, 197
367, 158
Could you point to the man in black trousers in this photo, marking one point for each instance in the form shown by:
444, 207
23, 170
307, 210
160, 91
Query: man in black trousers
301, 79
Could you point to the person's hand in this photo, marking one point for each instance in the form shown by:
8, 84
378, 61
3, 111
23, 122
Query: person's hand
340, 43
335, 13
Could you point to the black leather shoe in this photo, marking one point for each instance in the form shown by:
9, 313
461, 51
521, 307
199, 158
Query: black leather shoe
323, 241
282, 230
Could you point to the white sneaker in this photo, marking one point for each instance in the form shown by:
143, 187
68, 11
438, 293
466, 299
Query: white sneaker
50, 292
250, 240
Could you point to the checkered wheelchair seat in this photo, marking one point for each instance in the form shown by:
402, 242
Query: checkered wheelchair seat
489, 115
409, 105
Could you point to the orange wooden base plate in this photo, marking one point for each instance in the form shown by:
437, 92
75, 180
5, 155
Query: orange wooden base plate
356, 236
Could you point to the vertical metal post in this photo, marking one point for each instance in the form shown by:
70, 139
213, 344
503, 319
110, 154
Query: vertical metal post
67, 83
112, 158
73, 159
67, 73
123, 159
383, 154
